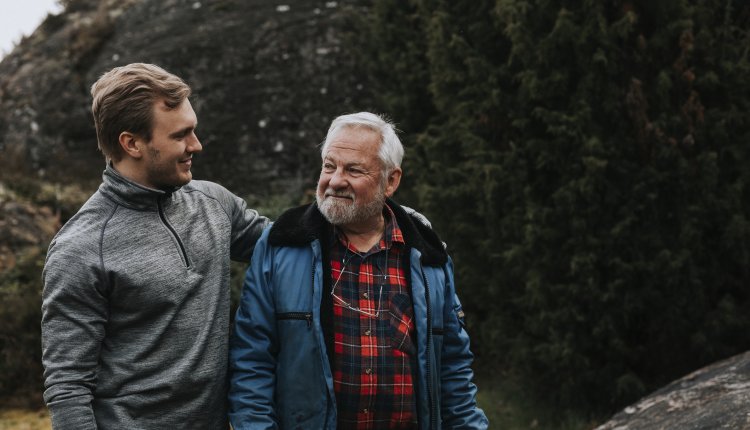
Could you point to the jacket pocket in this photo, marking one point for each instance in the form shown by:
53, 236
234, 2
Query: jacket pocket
301, 316
301, 390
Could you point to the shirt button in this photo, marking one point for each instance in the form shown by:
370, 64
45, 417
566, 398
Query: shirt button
367, 332
366, 295
365, 411
368, 371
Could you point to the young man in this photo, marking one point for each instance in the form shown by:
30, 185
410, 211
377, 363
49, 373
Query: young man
136, 285
349, 317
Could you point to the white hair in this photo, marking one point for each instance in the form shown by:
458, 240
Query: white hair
391, 151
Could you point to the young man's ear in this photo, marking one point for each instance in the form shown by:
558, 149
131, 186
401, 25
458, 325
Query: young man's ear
131, 145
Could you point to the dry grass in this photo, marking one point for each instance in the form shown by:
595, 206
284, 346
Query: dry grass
24, 419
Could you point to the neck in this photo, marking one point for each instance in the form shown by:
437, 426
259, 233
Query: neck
364, 235
127, 168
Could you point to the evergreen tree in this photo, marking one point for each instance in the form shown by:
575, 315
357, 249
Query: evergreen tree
584, 162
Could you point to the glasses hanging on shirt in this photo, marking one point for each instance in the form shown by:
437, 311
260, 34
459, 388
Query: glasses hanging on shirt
343, 303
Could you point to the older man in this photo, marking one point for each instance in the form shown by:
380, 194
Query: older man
349, 316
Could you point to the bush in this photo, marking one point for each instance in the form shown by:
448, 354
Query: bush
20, 316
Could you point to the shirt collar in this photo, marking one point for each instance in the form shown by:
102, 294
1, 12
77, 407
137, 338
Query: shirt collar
391, 234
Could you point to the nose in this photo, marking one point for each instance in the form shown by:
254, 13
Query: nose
337, 180
194, 144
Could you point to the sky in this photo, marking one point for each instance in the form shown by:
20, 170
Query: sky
22, 17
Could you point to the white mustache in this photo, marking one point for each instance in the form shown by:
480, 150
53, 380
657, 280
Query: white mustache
331, 193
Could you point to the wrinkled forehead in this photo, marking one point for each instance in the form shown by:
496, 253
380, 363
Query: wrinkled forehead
360, 142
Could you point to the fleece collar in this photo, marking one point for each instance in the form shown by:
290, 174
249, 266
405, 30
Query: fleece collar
303, 224
130, 194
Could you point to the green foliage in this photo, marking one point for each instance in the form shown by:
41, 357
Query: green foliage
20, 314
585, 163
64, 200
509, 405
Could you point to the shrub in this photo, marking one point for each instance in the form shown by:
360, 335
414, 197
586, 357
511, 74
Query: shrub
20, 316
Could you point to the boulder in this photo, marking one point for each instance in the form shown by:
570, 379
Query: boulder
714, 397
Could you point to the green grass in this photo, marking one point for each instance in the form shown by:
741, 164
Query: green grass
24, 419
508, 407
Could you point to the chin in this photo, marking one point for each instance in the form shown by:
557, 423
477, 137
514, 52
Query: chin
185, 179
335, 214
179, 182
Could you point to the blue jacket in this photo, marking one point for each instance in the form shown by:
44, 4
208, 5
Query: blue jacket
281, 373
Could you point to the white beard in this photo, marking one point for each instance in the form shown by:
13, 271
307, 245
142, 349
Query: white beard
341, 212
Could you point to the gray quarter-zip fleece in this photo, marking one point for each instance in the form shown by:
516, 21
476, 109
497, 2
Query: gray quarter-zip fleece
135, 311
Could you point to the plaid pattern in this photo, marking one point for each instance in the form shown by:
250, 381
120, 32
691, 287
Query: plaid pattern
372, 361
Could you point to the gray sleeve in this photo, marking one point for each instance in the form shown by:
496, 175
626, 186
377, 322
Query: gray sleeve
74, 314
247, 224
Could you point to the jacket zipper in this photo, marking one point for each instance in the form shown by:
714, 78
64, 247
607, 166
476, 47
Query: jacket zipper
431, 401
307, 316
172, 230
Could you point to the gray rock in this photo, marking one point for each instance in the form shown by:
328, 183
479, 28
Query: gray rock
267, 78
715, 397
23, 226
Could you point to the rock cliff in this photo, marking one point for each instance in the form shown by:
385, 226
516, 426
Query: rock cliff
267, 78
23, 225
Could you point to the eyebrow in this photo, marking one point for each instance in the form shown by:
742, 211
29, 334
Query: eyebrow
349, 164
183, 132
339, 160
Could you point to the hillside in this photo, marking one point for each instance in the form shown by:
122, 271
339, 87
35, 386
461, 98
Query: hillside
259, 123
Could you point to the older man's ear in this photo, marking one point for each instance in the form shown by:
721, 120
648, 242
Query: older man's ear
394, 179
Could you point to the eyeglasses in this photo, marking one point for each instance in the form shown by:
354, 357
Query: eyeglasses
348, 305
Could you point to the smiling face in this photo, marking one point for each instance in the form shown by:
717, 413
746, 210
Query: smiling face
167, 158
352, 187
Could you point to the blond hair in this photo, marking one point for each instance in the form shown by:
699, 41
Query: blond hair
123, 100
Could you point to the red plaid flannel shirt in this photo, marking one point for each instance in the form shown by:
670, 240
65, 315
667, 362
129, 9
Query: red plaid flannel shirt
372, 358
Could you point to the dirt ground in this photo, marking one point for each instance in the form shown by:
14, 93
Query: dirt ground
24, 419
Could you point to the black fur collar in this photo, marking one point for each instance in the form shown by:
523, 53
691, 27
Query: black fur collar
303, 224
